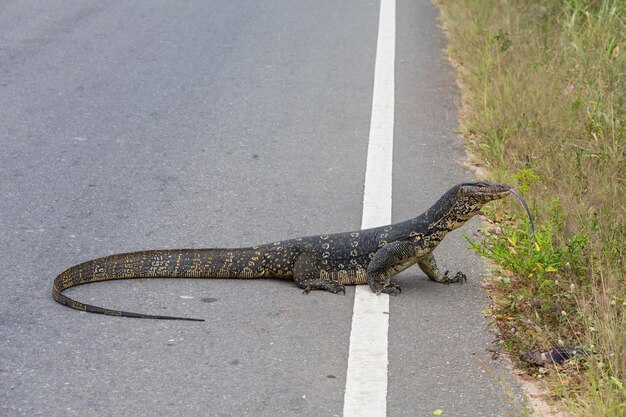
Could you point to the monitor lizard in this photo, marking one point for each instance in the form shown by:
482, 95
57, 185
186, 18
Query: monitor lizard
323, 262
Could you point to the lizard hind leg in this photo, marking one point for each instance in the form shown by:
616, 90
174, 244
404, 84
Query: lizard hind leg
308, 275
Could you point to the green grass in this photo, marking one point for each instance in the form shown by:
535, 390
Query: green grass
544, 104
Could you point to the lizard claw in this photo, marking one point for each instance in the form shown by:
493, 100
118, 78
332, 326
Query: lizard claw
331, 286
336, 288
459, 277
389, 288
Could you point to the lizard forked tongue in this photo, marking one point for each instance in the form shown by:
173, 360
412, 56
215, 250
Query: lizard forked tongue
530, 218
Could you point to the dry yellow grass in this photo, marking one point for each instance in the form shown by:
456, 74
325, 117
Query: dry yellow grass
544, 100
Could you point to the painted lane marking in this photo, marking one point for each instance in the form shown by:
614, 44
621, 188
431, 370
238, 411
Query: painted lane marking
366, 379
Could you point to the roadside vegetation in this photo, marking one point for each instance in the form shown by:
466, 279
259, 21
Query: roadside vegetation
544, 100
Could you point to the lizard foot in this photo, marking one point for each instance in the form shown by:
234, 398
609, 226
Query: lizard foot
389, 288
334, 287
331, 286
459, 277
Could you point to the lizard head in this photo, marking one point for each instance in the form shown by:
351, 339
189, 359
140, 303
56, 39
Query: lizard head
464, 201
482, 192
471, 196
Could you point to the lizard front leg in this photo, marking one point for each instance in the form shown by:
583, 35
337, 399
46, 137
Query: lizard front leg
387, 262
307, 274
428, 264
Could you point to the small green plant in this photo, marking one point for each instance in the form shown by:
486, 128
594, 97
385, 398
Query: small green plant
525, 178
538, 261
536, 256
503, 40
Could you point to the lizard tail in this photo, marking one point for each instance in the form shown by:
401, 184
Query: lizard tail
177, 263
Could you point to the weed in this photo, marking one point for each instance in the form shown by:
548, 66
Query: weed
525, 178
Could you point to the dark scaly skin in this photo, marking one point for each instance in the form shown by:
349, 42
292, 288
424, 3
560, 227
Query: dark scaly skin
325, 262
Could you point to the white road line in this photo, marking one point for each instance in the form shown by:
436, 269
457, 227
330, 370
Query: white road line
366, 380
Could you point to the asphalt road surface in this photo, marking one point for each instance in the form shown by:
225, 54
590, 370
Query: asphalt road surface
157, 124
